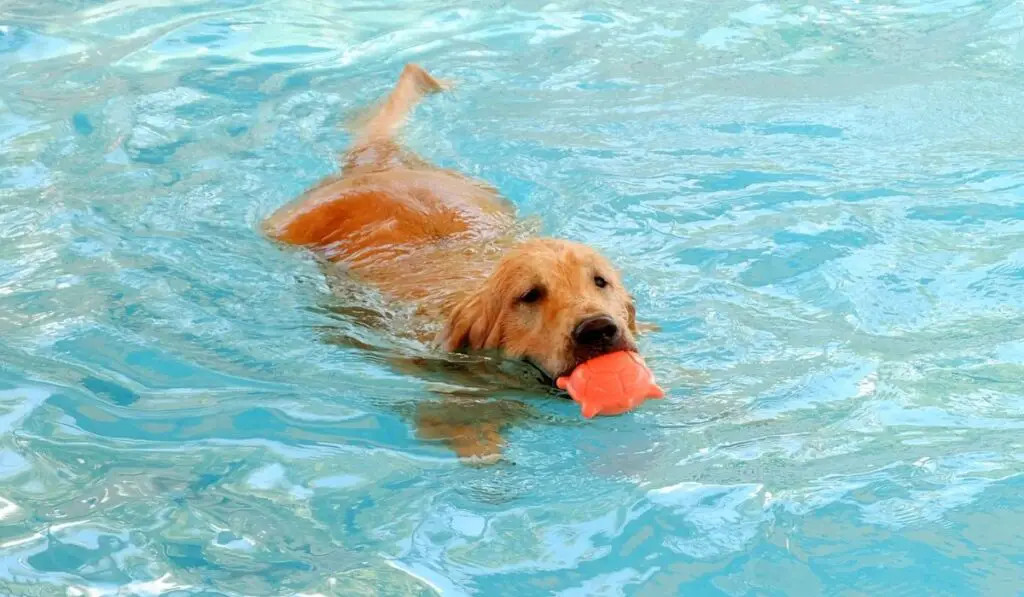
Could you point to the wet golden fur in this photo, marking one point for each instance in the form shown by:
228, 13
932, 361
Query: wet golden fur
452, 247
492, 317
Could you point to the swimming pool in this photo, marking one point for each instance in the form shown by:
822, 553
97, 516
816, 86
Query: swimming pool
821, 204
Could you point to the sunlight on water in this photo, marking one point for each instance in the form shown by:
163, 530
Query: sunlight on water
820, 204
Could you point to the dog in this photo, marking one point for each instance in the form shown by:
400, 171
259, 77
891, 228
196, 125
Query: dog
453, 249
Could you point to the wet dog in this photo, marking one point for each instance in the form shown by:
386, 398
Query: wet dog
453, 248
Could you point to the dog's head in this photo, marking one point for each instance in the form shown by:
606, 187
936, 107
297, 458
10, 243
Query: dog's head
553, 303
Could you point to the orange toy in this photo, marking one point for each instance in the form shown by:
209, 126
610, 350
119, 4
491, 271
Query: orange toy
611, 384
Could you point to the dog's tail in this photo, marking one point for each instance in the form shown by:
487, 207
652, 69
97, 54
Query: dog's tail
381, 123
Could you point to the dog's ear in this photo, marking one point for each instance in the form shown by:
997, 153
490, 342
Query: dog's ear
631, 314
474, 324
636, 327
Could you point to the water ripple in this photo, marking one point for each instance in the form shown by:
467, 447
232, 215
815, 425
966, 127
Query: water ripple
819, 205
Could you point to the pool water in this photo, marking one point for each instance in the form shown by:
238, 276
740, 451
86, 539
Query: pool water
821, 205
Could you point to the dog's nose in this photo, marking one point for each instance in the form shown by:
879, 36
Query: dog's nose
596, 331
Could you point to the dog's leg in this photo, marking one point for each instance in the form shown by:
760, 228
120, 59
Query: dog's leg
469, 420
375, 146
470, 427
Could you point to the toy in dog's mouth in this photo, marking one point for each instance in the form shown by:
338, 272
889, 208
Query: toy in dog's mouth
611, 384
585, 354
582, 353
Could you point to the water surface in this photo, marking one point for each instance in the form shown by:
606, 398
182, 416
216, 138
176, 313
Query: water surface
821, 204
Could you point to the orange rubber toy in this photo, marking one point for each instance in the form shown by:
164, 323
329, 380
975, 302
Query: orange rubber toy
611, 384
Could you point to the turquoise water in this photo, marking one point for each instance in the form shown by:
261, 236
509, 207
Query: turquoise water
821, 204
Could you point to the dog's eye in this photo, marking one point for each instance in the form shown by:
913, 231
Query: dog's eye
532, 295
600, 282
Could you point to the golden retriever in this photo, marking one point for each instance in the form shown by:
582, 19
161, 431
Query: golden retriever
453, 248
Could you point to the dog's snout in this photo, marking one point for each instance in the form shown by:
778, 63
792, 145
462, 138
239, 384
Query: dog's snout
596, 331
